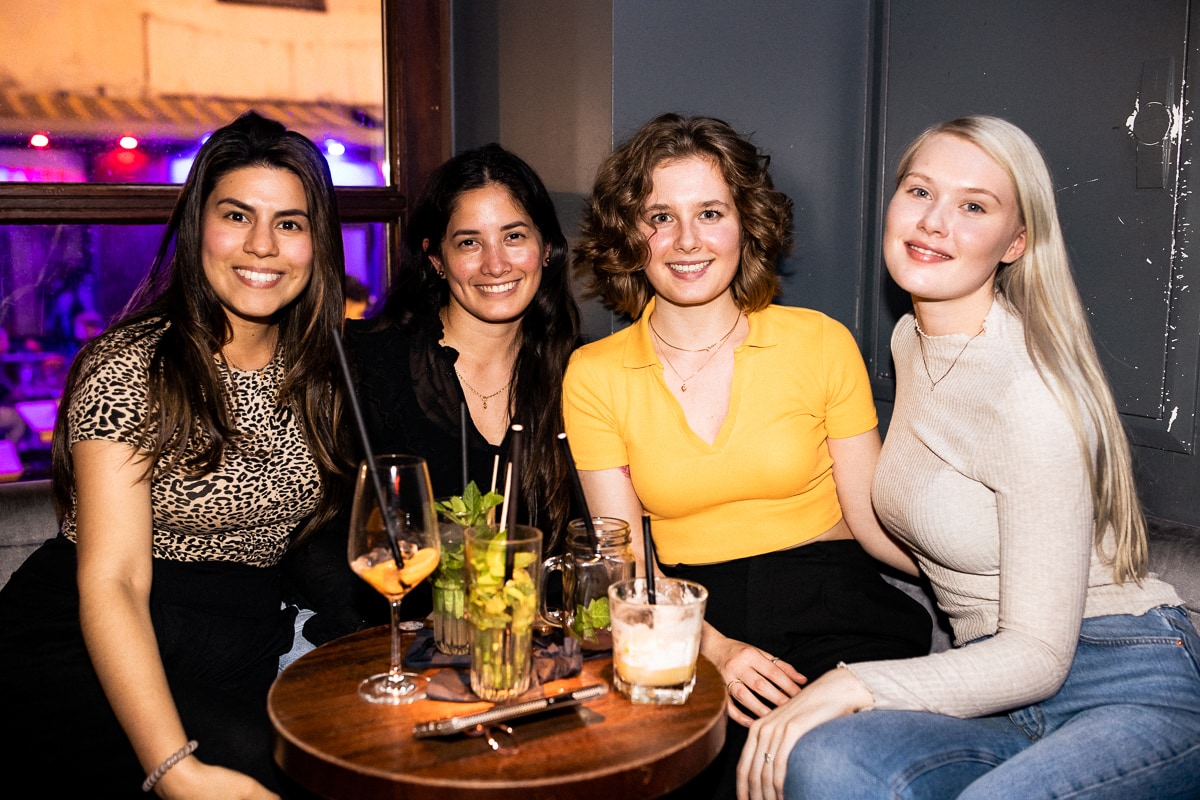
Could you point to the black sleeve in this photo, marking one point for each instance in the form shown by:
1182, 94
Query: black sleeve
319, 578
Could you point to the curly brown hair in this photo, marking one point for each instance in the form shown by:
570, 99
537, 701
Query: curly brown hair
612, 253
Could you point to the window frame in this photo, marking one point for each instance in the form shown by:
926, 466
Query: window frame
413, 135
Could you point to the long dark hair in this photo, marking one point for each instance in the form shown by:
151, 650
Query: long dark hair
186, 394
549, 328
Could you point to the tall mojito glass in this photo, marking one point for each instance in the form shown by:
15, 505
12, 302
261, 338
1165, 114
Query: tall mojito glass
451, 633
503, 597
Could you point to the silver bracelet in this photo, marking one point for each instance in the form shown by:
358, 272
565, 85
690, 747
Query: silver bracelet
179, 755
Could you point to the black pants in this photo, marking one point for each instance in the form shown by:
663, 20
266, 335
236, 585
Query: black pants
220, 633
813, 606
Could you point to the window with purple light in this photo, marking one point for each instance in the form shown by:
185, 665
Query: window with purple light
97, 130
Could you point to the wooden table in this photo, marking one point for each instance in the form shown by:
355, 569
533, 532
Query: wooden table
339, 746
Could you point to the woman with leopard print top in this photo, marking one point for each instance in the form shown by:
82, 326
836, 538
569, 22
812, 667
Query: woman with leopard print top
194, 437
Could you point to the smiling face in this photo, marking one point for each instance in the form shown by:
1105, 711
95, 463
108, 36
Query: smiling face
492, 256
257, 248
953, 220
693, 231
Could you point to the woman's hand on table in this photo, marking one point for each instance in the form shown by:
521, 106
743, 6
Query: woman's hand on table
763, 765
756, 680
192, 779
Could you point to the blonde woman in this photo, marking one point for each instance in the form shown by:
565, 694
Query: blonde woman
1007, 472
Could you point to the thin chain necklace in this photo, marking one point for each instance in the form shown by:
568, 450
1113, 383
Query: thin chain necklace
921, 337
715, 347
720, 341
479, 394
228, 368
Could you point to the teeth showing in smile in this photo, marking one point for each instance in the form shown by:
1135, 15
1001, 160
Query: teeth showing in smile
497, 288
262, 278
689, 268
925, 252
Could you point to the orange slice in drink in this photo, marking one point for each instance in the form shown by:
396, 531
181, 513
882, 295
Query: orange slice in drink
419, 566
392, 582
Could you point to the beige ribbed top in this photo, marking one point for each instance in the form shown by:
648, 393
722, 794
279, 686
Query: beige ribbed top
983, 478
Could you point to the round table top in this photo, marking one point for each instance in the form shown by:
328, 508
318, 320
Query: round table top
340, 746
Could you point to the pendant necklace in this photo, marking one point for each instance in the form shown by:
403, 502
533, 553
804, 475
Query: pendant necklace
479, 394
921, 337
688, 349
715, 347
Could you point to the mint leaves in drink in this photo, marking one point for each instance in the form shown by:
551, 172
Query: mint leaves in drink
591, 620
471, 507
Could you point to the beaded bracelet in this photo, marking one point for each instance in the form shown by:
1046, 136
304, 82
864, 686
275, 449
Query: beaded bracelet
179, 755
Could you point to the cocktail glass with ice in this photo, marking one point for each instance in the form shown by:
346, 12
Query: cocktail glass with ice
655, 645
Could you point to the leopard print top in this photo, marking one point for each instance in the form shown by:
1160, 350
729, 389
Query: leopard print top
244, 511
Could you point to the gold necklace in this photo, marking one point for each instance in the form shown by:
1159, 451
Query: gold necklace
715, 347
479, 394
921, 337
720, 341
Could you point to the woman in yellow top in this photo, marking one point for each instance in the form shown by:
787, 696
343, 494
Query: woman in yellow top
746, 430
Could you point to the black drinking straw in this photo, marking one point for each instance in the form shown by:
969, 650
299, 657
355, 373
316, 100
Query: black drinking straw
385, 511
588, 524
648, 547
462, 429
516, 434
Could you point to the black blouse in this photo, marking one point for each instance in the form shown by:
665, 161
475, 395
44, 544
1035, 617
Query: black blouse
412, 403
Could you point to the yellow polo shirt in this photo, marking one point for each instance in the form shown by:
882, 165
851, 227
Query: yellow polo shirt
766, 482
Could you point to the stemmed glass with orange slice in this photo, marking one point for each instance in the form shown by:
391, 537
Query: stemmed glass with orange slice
393, 548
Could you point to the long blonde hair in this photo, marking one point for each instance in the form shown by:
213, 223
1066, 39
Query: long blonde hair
1039, 288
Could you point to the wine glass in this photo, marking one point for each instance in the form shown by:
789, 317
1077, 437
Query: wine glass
403, 483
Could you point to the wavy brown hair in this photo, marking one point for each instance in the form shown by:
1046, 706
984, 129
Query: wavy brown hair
612, 253
186, 394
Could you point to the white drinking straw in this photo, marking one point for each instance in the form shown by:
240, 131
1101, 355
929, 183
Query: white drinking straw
507, 486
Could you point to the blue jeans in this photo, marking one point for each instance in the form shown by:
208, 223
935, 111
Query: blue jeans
1125, 724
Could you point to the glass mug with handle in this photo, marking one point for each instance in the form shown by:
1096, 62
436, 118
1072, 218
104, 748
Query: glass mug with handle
587, 572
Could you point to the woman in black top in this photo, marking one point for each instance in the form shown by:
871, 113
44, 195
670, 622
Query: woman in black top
475, 333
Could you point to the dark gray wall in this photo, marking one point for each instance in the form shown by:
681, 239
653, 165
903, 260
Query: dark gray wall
475, 73
793, 75
808, 81
1086, 88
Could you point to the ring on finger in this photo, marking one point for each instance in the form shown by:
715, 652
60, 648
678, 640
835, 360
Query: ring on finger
729, 686
770, 757
775, 660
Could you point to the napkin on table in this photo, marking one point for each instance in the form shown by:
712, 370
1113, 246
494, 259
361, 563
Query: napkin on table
554, 657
